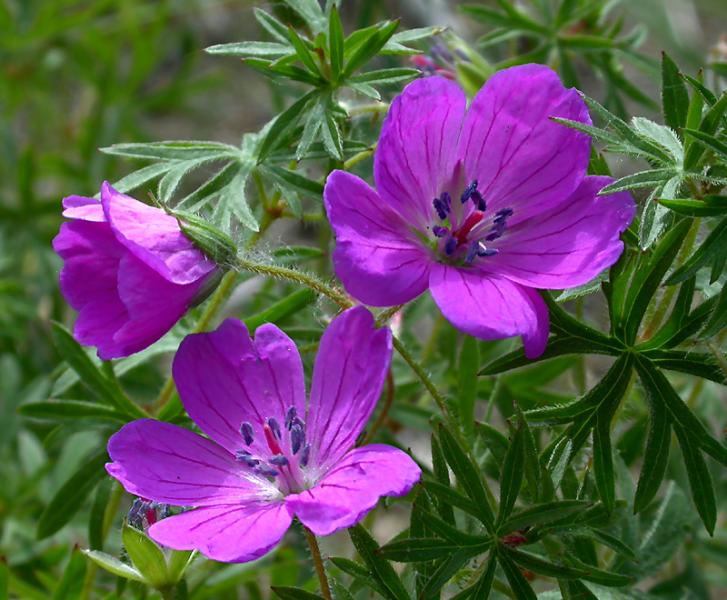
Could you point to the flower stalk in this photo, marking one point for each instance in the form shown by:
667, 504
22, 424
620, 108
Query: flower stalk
315, 553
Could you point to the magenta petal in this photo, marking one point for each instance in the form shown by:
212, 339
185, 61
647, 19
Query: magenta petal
169, 464
153, 304
227, 533
353, 487
377, 256
352, 362
417, 149
154, 237
569, 245
83, 208
88, 281
224, 379
490, 307
519, 156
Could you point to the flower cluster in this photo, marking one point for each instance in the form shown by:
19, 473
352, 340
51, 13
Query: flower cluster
480, 205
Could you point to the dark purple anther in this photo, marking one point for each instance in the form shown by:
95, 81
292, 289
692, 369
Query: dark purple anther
472, 251
450, 246
247, 433
274, 427
439, 231
482, 251
442, 205
267, 471
297, 437
479, 201
279, 461
304, 456
469, 190
289, 416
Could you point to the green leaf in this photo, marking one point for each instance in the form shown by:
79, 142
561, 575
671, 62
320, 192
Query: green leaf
90, 375
71, 583
709, 141
113, 565
441, 473
512, 475
674, 94
291, 593
603, 458
468, 476
709, 206
423, 549
283, 122
295, 181
651, 178
141, 176
246, 49
369, 47
385, 76
146, 556
480, 590
647, 278
542, 514
331, 134
335, 42
70, 497
708, 125
302, 52
450, 497
281, 309
382, 571
709, 250
311, 13
395, 45
469, 359
71, 409
274, 27
718, 317
174, 150
656, 456
518, 584
542, 566
700, 481
657, 385
97, 515
178, 562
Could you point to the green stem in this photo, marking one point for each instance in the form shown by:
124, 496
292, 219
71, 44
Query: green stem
357, 158
373, 108
386, 315
306, 279
422, 374
315, 553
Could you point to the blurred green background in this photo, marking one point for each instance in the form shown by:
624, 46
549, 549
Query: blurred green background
77, 76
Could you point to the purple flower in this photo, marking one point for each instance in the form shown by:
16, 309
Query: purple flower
268, 457
128, 270
480, 205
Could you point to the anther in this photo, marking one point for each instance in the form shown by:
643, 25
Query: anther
289, 416
274, 427
442, 205
246, 458
247, 433
297, 438
479, 201
304, 456
279, 461
267, 471
468, 192
483, 251
450, 246
472, 251
439, 231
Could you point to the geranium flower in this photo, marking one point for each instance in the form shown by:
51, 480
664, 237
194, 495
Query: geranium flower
268, 457
480, 205
128, 270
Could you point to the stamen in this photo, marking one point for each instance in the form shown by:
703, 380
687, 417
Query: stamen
439, 231
450, 246
289, 416
443, 205
267, 471
469, 190
472, 251
505, 212
297, 438
279, 461
479, 201
484, 251
246, 458
270, 437
246, 431
304, 456
275, 427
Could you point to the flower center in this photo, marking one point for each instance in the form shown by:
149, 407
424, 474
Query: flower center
467, 232
288, 452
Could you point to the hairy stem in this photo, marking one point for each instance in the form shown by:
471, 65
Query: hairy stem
422, 375
315, 553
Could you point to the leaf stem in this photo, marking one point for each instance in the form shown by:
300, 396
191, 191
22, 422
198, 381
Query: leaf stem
315, 553
422, 374
357, 158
